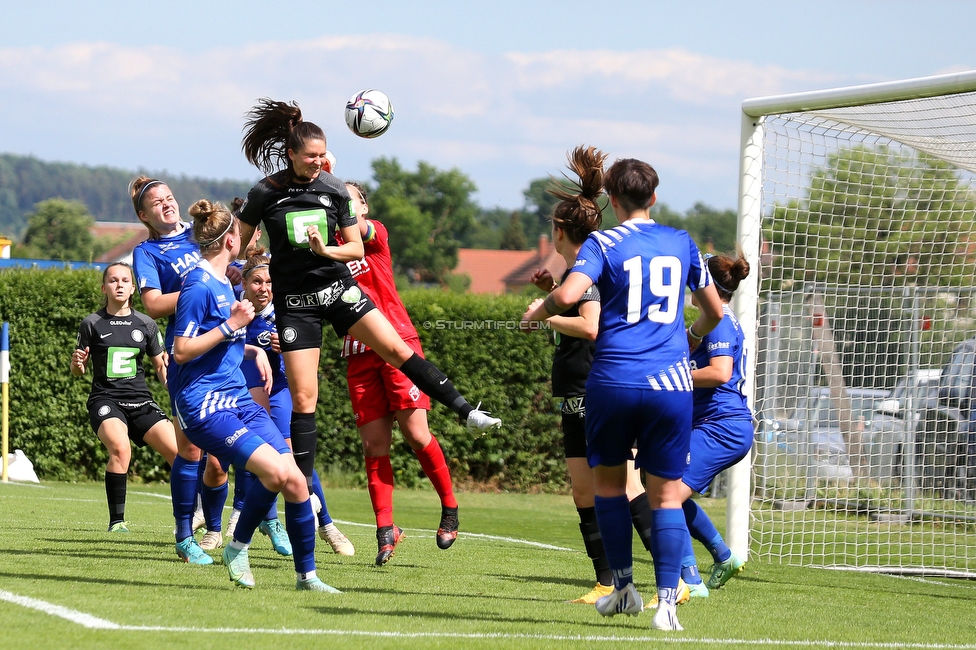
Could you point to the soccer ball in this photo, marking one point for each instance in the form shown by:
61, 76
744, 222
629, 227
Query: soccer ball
369, 113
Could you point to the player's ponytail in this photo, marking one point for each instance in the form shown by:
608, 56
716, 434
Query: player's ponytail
256, 259
727, 272
271, 129
211, 223
578, 212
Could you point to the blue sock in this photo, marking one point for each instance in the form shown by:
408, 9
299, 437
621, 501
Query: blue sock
300, 524
183, 488
689, 564
324, 518
668, 535
214, 499
616, 529
200, 470
256, 504
272, 511
242, 481
702, 529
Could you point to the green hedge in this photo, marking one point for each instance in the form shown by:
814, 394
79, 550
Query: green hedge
469, 337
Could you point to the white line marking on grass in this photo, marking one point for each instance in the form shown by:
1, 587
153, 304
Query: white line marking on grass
513, 540
151, 494
81, 618
498, 538
92, 622
27, 484
962, 584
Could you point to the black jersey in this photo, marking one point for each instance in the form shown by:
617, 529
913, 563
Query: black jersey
287, 209
116, 346
573, 356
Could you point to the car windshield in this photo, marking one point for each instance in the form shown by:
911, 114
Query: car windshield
862, 410
961, 370
921, 392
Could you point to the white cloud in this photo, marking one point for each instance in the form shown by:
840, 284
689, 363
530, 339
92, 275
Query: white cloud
511, 117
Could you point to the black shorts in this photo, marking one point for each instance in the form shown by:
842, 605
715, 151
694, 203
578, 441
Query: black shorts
574, 426
139, 417
299, 316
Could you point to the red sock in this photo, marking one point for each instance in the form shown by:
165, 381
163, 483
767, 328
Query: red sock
432, 460
379, 482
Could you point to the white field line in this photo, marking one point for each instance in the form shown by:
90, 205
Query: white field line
95, 623
24, 484
81, 618
497, 538
961, 584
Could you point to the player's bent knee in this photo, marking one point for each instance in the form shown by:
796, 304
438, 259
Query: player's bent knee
295, 488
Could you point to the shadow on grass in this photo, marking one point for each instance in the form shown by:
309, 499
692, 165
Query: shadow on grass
482, 616
104, 581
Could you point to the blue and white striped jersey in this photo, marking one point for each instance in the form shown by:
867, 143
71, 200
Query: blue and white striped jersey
163, 263
642, 269
727, 400
213, 381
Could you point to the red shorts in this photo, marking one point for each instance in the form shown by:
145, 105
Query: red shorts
377, 389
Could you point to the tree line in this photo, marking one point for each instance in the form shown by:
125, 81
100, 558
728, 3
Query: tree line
430, 212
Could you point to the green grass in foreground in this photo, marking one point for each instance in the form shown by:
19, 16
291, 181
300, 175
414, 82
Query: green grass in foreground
485, 591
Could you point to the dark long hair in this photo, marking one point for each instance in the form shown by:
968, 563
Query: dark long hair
271, 129
578, 213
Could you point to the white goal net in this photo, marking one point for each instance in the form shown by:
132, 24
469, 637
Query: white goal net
859, 214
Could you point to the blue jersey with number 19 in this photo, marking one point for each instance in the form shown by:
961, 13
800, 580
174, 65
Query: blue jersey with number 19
213, 381
642, 269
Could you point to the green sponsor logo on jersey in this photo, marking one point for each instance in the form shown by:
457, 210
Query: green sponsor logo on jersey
121, 363
298, 223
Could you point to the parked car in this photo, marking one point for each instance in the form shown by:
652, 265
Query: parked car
945, 440
813, 429
895, 417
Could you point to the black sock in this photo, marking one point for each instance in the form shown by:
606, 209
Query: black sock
304, 439
593, 543
640, 513
436, 384
115, 491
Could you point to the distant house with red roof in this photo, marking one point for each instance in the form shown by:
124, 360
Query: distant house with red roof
496, 271
126, 235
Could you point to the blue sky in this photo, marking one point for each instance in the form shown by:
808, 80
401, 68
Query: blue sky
500, 90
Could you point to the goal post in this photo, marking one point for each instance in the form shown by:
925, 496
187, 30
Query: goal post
857, 215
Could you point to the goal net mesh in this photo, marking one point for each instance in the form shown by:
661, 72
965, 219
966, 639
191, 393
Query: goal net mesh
864, 456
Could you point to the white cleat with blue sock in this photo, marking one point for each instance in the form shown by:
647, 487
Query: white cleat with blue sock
666, 619
621, 601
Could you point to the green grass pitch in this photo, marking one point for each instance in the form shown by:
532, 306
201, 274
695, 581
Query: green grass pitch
66, 583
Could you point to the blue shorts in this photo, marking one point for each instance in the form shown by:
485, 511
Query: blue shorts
171, 369
657, 422
281, 407
716, 445
233, 434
